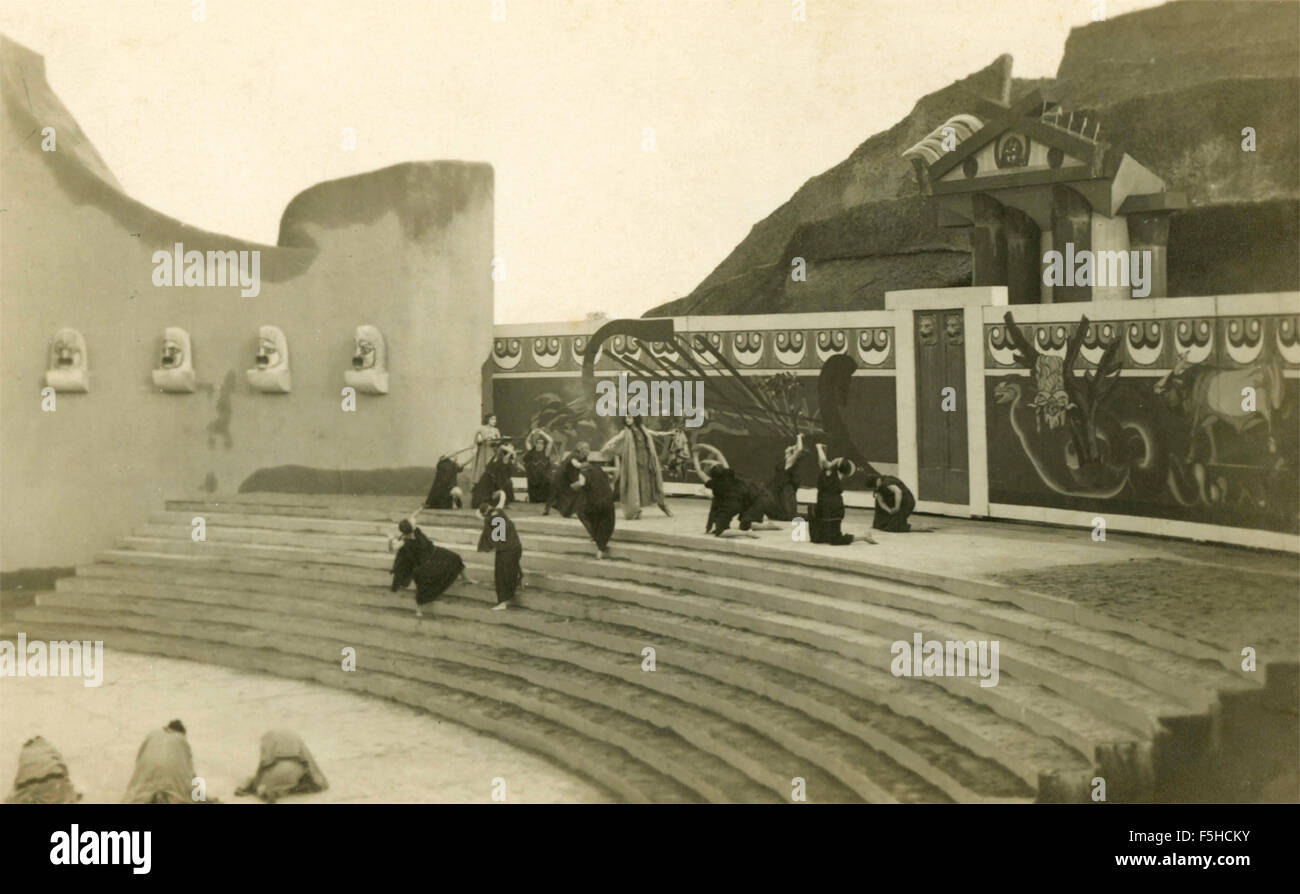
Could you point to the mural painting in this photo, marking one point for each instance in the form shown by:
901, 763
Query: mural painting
1186, 419
761, 389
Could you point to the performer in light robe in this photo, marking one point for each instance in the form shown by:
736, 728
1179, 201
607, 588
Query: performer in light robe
284, 767
636, 467
164, 769
486, 440
42, 776
433, 568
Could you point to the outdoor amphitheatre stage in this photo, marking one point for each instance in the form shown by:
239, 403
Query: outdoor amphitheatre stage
771, 661
1088, 500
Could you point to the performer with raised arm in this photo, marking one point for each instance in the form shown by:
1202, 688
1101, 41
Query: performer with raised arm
499, 536
496, 477
784, 487
444, 494
433, 568
636, 467
828, 514
538, 467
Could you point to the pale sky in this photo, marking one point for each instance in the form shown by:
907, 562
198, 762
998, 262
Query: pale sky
220, 123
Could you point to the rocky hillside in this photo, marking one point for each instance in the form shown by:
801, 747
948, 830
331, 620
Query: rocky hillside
1174, 86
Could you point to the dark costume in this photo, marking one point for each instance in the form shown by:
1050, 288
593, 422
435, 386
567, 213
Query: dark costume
42, 776
537, 466
564, 499
495, 477
783, 490
595, 505
734, 496
828, 514
431, 567
284, 767
444, 479
507, 573
893, 521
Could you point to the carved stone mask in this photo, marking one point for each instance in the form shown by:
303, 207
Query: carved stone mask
952, 328
268, 354
173, 355
364, 357
925, 329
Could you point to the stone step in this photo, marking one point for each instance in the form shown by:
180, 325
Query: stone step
617, 652
1092, 706
913, 707
381, 509
597, 761
726, 749
1186, 685
711, 778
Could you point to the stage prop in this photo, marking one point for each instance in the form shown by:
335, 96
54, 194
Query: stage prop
369, 372
67, 369
175, 372
271, 375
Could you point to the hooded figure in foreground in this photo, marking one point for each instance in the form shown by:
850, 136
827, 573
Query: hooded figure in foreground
164, 769
285, 767
42, 776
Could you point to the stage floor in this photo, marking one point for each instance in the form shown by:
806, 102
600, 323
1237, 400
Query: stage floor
1224, 595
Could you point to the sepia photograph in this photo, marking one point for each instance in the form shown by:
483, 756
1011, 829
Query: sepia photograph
570, 402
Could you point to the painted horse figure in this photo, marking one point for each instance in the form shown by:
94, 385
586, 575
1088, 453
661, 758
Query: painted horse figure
1209, 395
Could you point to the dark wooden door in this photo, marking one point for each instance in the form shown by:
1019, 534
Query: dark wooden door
942, 473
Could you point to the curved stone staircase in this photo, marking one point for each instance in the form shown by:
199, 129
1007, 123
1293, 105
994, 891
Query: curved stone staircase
769, 666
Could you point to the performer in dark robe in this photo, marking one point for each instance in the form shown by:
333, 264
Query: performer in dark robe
828, 515
496, 477
444, 494
564, 498
538, 467
894, 503
284, 767
164, 769
499, 536
42, 776
595, 506
734, 497
433, 568
784, 486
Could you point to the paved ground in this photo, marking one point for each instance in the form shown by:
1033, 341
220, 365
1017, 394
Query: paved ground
371, 750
